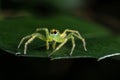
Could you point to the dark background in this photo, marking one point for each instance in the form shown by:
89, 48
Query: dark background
100, 11
103, 12
20, 68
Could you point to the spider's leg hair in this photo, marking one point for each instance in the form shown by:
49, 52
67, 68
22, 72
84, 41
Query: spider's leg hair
26, 37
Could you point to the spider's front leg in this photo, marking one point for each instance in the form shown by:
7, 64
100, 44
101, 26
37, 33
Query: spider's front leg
58, 47
65, 40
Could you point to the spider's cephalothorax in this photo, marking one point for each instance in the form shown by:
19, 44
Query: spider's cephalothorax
54, 36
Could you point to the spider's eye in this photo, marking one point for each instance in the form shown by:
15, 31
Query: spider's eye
54, 32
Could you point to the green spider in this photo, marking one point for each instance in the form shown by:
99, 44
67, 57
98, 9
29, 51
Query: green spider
54, 36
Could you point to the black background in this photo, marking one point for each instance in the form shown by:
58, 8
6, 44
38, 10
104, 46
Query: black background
20, 68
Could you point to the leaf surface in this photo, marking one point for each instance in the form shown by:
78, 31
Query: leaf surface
99, 41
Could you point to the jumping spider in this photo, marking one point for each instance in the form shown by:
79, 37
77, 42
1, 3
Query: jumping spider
54, 36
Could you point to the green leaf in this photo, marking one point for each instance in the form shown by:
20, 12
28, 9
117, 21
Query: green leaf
99, 41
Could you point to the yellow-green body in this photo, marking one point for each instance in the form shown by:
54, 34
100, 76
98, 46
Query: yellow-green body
57, 38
